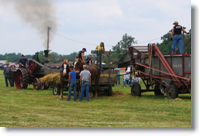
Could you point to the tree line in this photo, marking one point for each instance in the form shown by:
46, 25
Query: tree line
120, 48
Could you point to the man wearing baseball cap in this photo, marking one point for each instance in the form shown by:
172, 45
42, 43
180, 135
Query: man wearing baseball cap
80, 55
177, 37
22, 62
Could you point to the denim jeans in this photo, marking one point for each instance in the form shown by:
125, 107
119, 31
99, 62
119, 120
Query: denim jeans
10, 82
134, 81
72, 85
118, 78
85, 86
129, 81
177, 39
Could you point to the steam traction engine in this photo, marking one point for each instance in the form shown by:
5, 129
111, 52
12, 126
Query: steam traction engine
35, 70
170, 74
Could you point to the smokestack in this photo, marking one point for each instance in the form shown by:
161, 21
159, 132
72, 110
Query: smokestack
48, 38
40, 14
46, 54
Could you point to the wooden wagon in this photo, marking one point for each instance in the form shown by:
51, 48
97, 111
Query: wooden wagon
108, 77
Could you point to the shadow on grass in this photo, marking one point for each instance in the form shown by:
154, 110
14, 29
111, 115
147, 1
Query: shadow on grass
164, 97
31, 89
185, 97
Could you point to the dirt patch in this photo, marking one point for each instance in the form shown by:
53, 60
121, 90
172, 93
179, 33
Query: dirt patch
120, 94
175, 98
178, 99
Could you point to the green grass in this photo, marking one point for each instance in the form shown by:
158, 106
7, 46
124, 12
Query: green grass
29, 108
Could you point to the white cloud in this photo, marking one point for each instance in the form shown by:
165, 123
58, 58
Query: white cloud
97, 12
95, 21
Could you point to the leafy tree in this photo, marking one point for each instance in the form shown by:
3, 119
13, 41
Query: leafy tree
122, 46
8, 59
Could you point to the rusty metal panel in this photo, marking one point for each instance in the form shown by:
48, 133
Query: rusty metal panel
187, 75
187, 64
168, 59
155, 64
137, 60
177, 65
126, 58
147, 63
142, 61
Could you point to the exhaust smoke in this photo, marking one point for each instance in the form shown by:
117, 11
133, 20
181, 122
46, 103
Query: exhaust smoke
40, 14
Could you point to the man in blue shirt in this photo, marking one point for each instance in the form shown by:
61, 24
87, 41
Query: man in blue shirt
6, 74
72, 83
22, 62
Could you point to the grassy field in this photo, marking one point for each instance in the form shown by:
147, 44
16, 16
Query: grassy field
29, 108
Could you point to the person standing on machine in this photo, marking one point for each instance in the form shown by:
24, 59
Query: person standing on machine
80, 55
177, 37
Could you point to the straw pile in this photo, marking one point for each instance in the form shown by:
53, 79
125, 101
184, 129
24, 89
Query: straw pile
53, 78
116, 93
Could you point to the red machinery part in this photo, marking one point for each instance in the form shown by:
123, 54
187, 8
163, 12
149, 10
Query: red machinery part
36, 84
32, 67
166, 65
177, 84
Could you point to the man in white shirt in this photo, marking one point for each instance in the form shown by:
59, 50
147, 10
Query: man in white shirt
127, 78
85, 81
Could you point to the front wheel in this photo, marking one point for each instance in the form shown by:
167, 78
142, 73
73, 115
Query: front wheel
56, 90
172, 92
36, 84
136, 89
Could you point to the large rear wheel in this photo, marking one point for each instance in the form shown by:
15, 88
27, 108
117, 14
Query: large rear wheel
21, 78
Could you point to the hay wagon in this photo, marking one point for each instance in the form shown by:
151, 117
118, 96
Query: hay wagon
107, 74
163, 74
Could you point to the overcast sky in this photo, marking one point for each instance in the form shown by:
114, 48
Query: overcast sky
93, 21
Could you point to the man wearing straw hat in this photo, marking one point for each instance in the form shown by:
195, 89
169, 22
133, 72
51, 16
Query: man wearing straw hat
177, 37
85, 81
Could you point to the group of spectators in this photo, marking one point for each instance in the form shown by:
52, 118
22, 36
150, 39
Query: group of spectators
9, 73
127, 78
9, 70
85, 75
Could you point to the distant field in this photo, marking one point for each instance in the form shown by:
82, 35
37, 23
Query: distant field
29, 108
